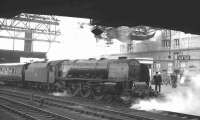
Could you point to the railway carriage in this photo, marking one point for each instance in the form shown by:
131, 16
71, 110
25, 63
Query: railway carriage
11, 73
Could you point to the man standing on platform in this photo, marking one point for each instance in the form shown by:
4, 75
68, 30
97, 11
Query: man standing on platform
174, 80
158, 81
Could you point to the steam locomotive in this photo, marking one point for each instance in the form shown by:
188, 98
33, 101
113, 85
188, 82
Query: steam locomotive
86, 78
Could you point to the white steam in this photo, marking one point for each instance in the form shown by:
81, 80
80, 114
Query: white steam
64, 93
184, 99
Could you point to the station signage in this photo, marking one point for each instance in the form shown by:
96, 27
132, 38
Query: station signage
183, 57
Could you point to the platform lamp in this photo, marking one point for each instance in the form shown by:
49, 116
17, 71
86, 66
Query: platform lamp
170, 42
97, 31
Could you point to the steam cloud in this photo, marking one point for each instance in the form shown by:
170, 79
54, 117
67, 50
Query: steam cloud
184, 99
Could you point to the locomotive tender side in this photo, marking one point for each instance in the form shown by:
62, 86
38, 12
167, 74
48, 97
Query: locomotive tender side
40, 74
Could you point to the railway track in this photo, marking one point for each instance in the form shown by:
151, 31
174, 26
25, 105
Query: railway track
28, 111
70, 106
105, 113
187, 116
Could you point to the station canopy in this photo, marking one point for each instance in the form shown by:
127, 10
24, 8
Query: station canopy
169, 14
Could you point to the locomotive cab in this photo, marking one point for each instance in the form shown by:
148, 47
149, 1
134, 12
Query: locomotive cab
141, 87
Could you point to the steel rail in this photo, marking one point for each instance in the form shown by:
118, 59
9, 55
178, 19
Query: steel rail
31, 112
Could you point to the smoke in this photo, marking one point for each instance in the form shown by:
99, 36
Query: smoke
184, 99
64, 93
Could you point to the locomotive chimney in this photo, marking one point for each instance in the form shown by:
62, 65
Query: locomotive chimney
91, 59
102, 58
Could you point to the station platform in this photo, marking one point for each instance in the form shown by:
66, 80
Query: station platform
165, 88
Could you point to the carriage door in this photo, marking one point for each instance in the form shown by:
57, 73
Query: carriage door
118, 71
52, 74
